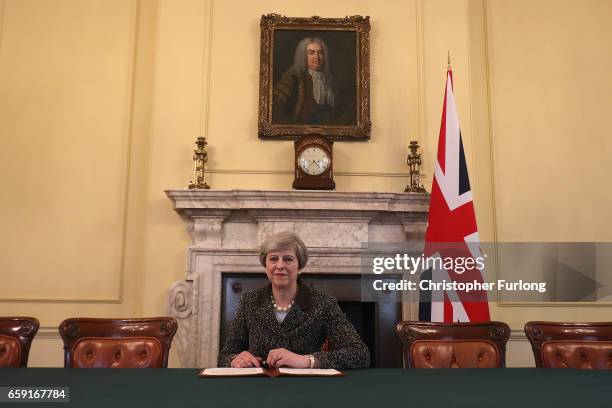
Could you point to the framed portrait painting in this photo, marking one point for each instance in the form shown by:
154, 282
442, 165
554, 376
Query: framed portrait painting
314, 78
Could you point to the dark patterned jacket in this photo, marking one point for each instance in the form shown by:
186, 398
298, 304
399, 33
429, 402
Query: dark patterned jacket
293, 102
314, 317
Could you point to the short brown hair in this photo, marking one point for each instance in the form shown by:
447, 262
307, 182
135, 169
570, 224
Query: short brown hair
282, 241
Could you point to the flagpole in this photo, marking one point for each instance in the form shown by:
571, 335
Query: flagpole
449, 70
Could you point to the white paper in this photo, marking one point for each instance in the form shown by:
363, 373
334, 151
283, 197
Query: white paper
226, 371
309, 371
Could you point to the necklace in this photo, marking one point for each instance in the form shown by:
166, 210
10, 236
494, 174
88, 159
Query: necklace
277, 307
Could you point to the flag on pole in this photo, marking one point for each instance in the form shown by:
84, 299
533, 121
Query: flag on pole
452, 232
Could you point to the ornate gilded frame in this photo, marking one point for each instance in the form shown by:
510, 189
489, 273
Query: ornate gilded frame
276, 131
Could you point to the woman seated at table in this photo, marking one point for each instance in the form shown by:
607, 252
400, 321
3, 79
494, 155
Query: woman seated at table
286, 323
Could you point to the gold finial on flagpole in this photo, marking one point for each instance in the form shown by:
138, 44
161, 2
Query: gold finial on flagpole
449, 61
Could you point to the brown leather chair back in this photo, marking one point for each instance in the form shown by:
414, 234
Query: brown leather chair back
454, 345
571, 345
16, 334
117, 343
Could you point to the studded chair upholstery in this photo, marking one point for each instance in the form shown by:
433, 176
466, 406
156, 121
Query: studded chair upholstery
571, 345
16, 335
117, 343
454, 345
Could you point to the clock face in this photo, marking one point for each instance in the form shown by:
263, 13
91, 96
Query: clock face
313, 161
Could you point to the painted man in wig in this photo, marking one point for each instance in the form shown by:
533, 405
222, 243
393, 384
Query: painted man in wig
307, 92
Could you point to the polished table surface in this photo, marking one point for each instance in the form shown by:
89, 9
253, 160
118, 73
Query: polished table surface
374, 388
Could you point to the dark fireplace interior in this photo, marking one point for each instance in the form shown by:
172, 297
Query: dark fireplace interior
374, 321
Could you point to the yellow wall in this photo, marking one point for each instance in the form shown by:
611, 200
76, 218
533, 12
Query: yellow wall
101, 100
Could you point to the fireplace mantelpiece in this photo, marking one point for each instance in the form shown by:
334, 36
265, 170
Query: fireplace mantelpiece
226, 227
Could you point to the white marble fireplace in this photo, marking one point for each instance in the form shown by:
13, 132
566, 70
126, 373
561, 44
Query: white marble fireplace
226, 227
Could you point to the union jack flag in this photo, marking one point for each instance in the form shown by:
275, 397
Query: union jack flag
452, 232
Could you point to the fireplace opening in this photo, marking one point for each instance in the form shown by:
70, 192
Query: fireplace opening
374, 321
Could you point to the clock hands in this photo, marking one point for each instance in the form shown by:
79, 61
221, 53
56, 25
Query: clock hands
317, 163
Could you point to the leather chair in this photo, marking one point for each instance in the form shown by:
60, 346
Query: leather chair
571, 345
16, 335
117, 343
454, 345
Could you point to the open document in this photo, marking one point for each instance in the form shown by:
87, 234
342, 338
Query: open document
269, 372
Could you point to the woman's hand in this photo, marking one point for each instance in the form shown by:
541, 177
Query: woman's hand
244, 360
285, 358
